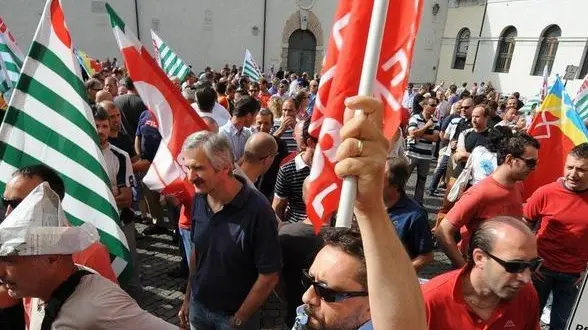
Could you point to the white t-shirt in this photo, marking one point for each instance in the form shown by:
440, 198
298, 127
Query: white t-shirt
118, 167
484, 163
98, 304
219, 113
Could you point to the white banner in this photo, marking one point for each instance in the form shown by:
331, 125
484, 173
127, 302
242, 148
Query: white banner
579, 315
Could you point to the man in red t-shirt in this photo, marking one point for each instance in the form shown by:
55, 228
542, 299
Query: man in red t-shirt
561, 208
494, 290
498, 194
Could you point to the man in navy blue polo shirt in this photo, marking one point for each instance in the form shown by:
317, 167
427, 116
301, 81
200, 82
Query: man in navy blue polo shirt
236, 252
409, 218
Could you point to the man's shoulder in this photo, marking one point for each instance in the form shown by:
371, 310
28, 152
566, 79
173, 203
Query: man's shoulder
118, 151
440, 287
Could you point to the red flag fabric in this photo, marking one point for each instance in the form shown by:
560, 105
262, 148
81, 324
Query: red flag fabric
175, 117
341, 77
558, 128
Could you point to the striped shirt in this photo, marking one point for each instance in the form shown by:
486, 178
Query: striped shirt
419, 147
118, 167
287, 136
289, 186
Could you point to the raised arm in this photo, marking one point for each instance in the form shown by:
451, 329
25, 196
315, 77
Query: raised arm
394, 293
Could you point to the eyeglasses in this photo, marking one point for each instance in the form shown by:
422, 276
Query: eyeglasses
254, 91
531, 162
466, 106
13, 203
433, 105
516, 267
327, 294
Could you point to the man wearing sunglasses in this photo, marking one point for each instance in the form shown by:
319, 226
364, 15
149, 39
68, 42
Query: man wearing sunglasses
362, 278
498, 194
494, 289
561, 208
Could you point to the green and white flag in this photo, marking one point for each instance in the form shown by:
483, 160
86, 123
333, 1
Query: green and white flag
49, 122
10, 54
250, 67
531, 105
582, 100
168, 60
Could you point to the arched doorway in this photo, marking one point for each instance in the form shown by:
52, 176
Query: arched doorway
301, 51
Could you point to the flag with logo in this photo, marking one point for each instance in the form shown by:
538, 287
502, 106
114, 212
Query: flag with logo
581, 100
250, 67
558, 128
168, 60
341, 77
90, 65
11, 58
50, 122
175, 117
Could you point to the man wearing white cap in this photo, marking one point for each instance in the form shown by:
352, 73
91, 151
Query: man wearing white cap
36, 247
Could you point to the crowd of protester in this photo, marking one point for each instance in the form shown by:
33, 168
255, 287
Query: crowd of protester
246, 236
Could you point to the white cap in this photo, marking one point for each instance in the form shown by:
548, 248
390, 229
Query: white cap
37, 226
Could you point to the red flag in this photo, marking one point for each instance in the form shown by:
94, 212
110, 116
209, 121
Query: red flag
175, 117
341, 77
558, 128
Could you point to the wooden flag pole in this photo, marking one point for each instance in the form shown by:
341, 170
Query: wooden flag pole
368, 76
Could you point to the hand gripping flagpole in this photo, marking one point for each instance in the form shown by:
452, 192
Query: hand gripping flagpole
368, 75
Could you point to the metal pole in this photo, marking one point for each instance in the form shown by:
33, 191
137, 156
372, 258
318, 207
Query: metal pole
368, 75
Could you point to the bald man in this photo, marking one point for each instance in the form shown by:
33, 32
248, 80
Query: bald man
103, 95
259, 153
494, 289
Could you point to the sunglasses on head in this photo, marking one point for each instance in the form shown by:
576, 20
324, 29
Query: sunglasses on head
13, 203
531, 163
516, 267
327, 294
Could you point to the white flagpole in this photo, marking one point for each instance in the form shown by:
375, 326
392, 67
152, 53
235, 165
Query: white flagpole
368, 75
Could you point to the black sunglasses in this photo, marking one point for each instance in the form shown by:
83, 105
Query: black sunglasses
531, 163
516, 267
327, 294
13, 203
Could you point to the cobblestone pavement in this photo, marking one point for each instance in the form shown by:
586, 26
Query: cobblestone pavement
163, 295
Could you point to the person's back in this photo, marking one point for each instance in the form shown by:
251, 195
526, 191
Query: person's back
299, 246
131, 107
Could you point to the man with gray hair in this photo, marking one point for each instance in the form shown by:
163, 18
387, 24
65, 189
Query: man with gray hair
235, 257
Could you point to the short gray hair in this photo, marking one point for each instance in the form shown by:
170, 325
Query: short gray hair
215, 146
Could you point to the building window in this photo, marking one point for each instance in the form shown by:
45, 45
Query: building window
584, 65
506, 46
546, 50
461, 49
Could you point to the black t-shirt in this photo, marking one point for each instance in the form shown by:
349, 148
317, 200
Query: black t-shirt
267, 182
472, 139
299, 247
492, 121
124, 142
234, 246
131, 107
